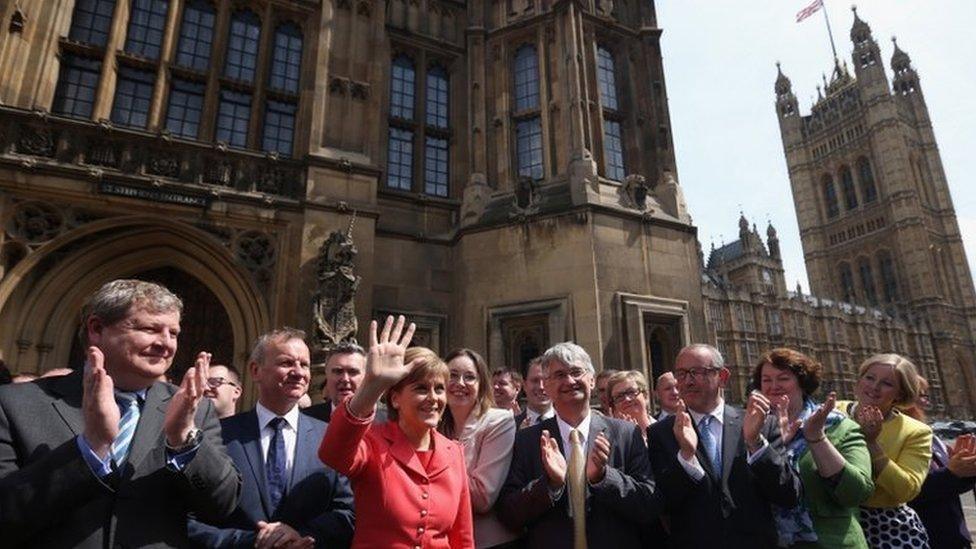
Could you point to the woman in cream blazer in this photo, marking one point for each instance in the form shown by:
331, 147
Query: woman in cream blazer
488, 437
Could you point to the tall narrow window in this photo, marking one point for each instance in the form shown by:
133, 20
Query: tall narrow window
526, 79
400, 159
528, 138
196, 36
402, 88
185, 108
287, 60
830, 197
77, 84
606, 78
889, 283
613, 148
847, 183
867, 180
147, 19
437, 97
133, 94
233, 117
847, 282
867, 281
242, 46
91, 21
279, 127
435, 166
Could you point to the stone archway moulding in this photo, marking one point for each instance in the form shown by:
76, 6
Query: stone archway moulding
40, 298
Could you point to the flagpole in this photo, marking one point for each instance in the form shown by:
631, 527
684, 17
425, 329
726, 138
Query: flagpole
830, 33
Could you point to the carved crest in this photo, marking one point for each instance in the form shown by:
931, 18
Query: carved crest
333, 309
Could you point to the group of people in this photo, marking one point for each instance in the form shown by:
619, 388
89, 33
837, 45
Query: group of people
413, 450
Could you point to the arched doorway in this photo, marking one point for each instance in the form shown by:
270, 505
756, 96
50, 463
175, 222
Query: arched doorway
41, 296
205, 324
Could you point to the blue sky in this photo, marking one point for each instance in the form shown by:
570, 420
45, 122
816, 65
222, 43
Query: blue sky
719, 62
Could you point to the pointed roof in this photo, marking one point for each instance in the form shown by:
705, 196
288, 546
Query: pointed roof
860, 31
783, 84
900, 61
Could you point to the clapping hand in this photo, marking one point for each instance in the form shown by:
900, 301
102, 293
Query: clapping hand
596, 464
553, 461
384, 362
756, 411
684, 432
182, 407
962, 457
100, 411
870, 419
813, 428
787, 428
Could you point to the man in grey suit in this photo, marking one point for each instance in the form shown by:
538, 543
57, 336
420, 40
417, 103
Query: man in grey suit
113, 457
290, 499
579, 477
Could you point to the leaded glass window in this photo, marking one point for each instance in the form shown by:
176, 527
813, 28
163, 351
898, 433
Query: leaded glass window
133, 95
830, 197
613, 150
77, 85
847, 183
847, 282
287, 63
196, 36
867, 281
279, 127
242, 46
528, 149
147, 20
435, 166
185, 108
867, 180
606, 78
91, 21
526, 79
233, 117
437, 97
402, 88
400, 159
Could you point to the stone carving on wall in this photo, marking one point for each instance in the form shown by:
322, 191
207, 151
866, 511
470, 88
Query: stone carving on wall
525, 199
334, 311
37, 141
255, 250
35, 222
633, 193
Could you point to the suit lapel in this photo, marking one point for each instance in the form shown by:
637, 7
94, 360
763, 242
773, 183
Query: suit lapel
597, 426
150, 427
552, 426
69, 405
306, 448
401, 449
251, 444
731, 436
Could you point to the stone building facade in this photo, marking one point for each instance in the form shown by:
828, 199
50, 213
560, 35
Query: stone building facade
876, 219
748, 311
505, 170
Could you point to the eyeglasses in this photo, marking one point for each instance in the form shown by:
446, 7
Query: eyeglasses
629, 394
694, 373
218, 381
575, 373
468, 378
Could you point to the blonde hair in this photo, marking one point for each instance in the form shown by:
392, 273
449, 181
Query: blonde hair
905, 371
430, 367
627, 375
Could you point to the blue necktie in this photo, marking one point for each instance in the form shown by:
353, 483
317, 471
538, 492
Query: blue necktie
275, 464
710, 444
129, 408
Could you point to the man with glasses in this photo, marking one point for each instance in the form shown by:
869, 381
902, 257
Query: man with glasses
718, 465
289, 498
578, 478
224, 389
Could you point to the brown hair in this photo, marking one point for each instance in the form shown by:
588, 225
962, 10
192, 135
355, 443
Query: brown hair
486, 398
430, 367
807, 370
626, 375
511, 372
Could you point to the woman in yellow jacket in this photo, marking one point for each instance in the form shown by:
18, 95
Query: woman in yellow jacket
900, 448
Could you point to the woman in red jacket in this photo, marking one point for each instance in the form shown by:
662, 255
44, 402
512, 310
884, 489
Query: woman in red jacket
408, 480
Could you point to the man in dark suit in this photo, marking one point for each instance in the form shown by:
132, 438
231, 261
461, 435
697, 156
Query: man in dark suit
112, 457
538, 405
719, 467
578, 477
344, 370
289, 498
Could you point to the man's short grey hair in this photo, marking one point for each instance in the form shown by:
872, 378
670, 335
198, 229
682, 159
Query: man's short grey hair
113, 301
346, 348
569, 354
278, 334
717, 361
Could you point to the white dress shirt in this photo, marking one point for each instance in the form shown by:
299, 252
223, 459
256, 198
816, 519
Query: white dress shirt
693, 467
564, 430
289, 433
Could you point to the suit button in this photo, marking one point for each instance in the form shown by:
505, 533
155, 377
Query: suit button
416, 547
420, 530
423, 512
425, 495
425, 481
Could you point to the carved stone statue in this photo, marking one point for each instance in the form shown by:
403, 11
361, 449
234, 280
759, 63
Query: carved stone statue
333, 308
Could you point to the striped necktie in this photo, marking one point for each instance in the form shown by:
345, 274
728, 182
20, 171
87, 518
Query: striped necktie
710, 444
129, 408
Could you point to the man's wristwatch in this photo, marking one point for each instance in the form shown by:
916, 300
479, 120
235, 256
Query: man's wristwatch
193, 438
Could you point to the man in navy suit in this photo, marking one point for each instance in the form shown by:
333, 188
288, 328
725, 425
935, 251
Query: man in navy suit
289, 498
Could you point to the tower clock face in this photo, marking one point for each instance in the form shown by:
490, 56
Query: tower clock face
767, 277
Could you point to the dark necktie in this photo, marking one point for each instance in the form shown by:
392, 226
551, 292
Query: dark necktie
275, 464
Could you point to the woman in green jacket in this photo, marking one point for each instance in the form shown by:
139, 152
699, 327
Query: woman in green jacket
826, 448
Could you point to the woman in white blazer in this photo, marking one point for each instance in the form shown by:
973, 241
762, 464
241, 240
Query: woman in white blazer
488, 437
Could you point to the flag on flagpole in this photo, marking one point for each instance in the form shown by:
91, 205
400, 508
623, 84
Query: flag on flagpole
809, 10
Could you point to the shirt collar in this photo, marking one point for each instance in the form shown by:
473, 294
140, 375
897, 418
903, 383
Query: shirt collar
532, 415
265, 416
718, 413
583, 428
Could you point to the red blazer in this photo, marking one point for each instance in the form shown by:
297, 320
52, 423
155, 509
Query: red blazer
399, 504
